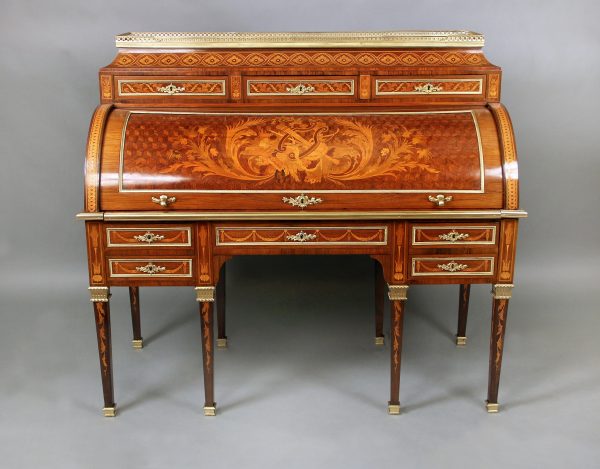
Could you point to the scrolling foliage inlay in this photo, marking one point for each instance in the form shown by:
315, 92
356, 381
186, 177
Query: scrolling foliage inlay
287, 152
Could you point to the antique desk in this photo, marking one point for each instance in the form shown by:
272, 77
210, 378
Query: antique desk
212, 145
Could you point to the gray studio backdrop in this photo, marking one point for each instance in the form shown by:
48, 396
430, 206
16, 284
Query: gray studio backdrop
50, 52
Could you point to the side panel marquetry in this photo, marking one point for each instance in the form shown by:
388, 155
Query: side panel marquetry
301, 235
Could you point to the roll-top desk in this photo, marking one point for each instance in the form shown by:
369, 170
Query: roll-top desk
212, 145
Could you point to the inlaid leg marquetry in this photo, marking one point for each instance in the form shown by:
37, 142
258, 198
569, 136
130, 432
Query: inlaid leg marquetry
379, 303
221, 335
206, 298
100, 300
501, 293
463, 311
397, 295
134, 300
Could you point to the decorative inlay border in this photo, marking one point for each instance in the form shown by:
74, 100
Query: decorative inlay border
298, 59
92, 159
509, 153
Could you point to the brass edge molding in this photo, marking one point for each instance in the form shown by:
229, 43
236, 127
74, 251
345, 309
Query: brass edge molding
205, 294
90, 216
93, 157
250, 40
502, 291
99, 294
397, 292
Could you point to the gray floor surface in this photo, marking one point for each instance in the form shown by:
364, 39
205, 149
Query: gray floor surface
302, 384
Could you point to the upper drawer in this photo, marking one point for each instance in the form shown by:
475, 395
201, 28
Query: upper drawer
149, 236
469, 88
170, 88
453, 235
300, 87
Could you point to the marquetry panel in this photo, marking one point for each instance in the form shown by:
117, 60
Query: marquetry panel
428, 86
150, 268
309, 87
452, 266
302, 235
507, 250
95, 253
149, 237
493, 87
453, 235
187, 87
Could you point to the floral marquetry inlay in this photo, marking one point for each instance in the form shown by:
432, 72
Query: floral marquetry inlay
386, 151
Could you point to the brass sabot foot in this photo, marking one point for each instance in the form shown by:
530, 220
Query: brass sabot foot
222, 342
210, 410
137, 343
492, 408
379, 340
461, 341
394, 409
110, 411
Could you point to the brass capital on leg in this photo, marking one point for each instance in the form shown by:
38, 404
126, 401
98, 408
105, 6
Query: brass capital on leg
502, 291
205, 294
397, 292
99, 294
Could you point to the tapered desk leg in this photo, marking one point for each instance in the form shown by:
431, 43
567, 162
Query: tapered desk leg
221, 335
99, 298
463, 311
206, 297
134, 301
397, 295
379, 302
502, 294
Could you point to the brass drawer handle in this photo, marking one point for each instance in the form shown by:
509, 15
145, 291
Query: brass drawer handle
440, 199
164, 200
452, 266
453, 236
171, 89
428, 88
151, 269
301, 237
148, 237
300, 89
302, 201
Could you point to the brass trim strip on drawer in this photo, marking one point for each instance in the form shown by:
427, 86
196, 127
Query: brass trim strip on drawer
295, 230
305, 215
451, 227
187, 229
432, 90
172, 90
300, 82
448, 273
157, 275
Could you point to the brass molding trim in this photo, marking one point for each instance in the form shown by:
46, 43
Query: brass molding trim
397, 292
303, 200
99, 294
205, 294
251, 40
305, 215
502, 291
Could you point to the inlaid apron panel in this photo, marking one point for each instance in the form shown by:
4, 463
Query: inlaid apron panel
370, 159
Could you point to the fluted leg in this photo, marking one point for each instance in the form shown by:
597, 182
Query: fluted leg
221, 335
397, 296
379, 302
463, 311
101, 305
502, 293
134, 301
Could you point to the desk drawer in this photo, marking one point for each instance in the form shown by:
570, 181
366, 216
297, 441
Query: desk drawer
453, 235
302, 235
463, 266
301, 87
171, 88
430, 88
151, 236
150, 268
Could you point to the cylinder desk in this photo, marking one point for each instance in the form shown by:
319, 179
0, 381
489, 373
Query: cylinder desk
393, 145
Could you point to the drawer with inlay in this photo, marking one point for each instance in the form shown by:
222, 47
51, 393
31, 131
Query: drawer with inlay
452, 266
149, 236
151, 268
300, 87
300, 235
170, 88
453, 235
425, 88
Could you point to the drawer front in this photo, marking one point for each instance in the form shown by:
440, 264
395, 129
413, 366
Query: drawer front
151, 236
452, 266
460, 87
300, 87
170, 88
150, 268
453, 235
296, 235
